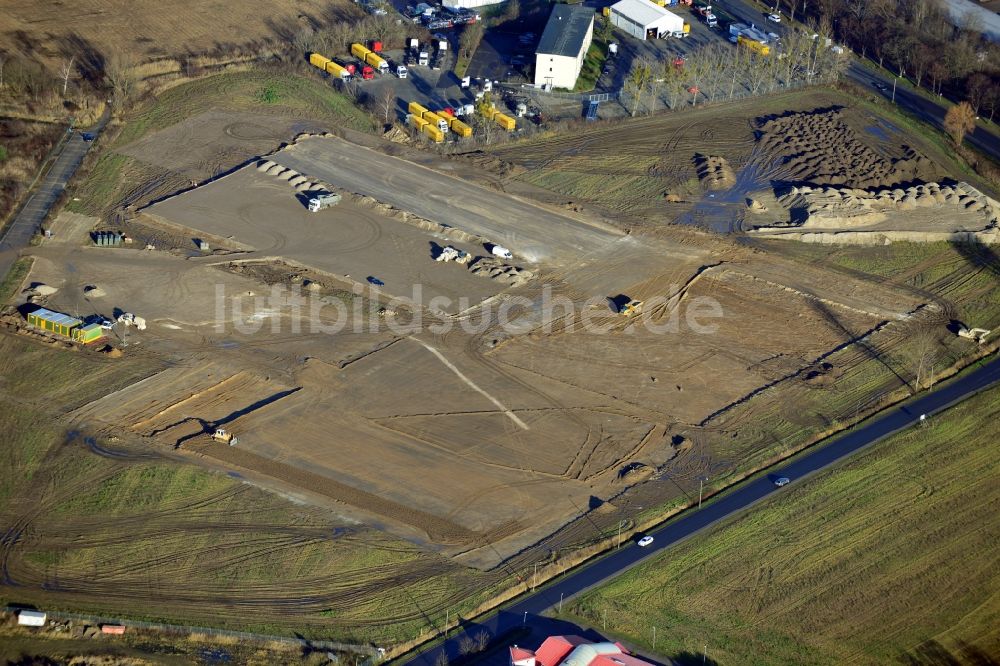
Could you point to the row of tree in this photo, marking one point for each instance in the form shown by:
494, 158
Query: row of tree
720, 71
917, 39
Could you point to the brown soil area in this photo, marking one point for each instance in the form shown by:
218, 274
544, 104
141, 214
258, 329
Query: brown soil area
818, 147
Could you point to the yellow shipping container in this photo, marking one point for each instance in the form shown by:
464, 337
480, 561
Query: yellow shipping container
375, 60
489, 113
417, 121
333, 69
359, 51
417, 109
459, 128
434, 133
754, 45
316, 60
505, 122
606, 11
432, 118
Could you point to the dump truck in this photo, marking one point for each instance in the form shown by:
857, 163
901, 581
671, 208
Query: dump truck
323, 200
316, 60
433, 132
359, 51
224, 436
505, 121
337, 71
378, 62
459, 128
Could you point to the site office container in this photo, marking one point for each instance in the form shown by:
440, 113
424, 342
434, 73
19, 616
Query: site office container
505, 122
316, 60
460, 128
88, 333
433, 132
54, 322
337, 70
359, 51
29, 618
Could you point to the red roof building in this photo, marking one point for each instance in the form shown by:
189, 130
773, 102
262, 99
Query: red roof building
574, 651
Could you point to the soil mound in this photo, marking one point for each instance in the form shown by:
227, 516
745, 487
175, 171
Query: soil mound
714, 172
819, 148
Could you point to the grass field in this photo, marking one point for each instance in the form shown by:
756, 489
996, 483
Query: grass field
891, 556
10, 282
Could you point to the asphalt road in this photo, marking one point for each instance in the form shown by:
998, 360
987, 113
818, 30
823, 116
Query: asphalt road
525, 614
32, 214
911, 102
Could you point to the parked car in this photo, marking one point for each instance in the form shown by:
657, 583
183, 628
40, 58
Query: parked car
782, 481
774, 18
645, 541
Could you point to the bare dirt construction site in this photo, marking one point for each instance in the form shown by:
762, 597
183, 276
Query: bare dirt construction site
498, 413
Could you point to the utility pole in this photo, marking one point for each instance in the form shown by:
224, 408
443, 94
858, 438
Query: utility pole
447, 616
894, 79
605, 619
524, 621
701, 487
704, 655
560, 601
534, 577
620, 523
654, 639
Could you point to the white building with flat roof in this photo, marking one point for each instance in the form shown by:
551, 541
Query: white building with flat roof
644, 19
563, 46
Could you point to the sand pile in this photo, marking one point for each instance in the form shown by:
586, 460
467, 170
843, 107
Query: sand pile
298, 182
495, 269
714, 172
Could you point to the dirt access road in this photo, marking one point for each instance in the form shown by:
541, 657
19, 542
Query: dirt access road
448, 200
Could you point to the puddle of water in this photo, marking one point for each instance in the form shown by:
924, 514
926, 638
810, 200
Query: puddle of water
723, 211
878, 132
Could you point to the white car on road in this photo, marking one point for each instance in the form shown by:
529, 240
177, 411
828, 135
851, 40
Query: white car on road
645, 541
782, 481
774, 18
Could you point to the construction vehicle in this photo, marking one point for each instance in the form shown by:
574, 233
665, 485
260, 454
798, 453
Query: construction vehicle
224, 436
323, 200
624, 306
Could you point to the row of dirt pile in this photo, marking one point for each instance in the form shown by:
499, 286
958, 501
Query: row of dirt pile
819, 148
813, 206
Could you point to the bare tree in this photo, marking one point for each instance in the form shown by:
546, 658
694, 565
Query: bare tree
466, 645
636, 83
65, 72
384, 102
119, 71
923, 353
959, 121
441, 659
482, 640
471, 36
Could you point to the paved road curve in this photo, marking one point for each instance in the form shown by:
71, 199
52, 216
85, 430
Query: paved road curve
527, 610
28, 219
